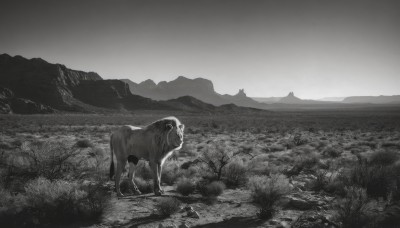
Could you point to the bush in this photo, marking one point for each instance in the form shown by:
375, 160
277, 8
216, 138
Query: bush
45, 202
298, 139
236, 174
168, 206
185, 187
170, 173
83, 143
145, 186
216, 158
211, 190
377, 180
333, 152
353, 210
267, 191
49, 159
384, 158
143, 170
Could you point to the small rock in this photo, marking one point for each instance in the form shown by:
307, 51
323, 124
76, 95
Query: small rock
189, 208
193, 214
183, 225
287, 219
160, 225
273, 222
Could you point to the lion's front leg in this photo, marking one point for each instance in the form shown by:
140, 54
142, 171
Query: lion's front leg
159, 166
156, 179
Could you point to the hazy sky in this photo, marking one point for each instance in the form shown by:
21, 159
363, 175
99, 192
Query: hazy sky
315, 48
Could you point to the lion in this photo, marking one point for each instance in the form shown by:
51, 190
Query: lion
153, 143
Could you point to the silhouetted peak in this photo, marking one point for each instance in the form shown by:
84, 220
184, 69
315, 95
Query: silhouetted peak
180, 78
291, 94
148, 83
241, 93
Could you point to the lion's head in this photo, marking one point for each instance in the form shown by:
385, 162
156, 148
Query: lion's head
172, 130
175, 132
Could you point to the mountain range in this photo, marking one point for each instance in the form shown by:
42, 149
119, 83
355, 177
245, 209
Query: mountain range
200, 88
36, 86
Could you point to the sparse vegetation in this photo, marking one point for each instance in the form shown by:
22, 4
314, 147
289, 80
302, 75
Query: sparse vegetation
354, 210
236, 174
168, 206
84, 143
185, 187
267, 191
350, 161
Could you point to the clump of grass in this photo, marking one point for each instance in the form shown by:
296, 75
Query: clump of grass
170, 173
84, 143
384, 158
333, 152
211, 190
236, 174
299, 140
168, 206
267, 191
145, 186
353, 210
143, 170
185, 187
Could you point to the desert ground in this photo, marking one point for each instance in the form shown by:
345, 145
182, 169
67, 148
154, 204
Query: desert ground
331, 168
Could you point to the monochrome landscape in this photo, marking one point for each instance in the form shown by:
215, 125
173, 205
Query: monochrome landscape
244, 114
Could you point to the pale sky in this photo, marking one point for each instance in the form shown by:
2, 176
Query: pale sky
316, 48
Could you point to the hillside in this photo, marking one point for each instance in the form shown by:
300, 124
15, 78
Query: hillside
56, 87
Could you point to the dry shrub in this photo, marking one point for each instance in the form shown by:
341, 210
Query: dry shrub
50, 159
236, 174
216, 158
143, 170
377, 180
48, 202
168, 206
333, 151
145, 186
268, 191
83, 143
170, 173
211, 190
185, 186
384, 158
354, 210
299, 140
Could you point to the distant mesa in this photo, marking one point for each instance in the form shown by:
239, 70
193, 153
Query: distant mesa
291, 99
199, 88
373, 99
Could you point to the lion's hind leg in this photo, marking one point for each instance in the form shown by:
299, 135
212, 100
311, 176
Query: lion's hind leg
131, 174
120, 166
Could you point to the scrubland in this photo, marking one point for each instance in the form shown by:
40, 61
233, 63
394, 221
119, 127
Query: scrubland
337, 168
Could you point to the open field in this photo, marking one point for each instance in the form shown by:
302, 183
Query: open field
331, 168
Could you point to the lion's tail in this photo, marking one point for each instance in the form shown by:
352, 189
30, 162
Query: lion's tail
112, 158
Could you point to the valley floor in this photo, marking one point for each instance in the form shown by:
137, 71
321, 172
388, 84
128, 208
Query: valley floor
316, 155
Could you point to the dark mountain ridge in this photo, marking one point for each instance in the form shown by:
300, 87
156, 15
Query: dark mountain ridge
56, 86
